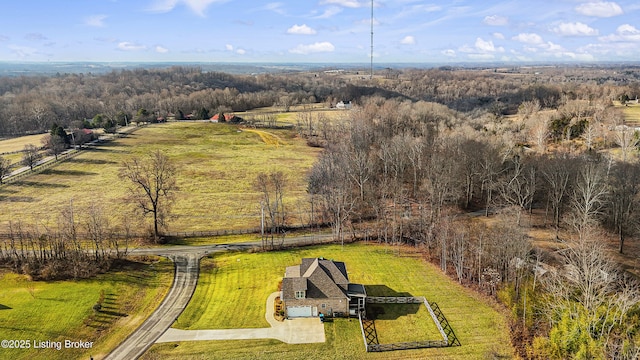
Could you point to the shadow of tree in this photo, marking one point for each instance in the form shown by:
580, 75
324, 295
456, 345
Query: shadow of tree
4, 307
67, 172
40, 184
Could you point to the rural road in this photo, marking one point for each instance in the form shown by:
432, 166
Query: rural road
184, 284
187, 260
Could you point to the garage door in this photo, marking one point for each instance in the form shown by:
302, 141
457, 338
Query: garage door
299, 311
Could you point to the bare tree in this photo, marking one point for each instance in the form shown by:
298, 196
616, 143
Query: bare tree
588, 196
5, 168
152, 182
622, 203
271, 186
593, 299
55, 145
625, 137
557, 173
519, 185
30, 156
331, 184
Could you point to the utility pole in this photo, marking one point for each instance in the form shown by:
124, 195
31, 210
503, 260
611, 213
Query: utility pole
371, 39
262, 224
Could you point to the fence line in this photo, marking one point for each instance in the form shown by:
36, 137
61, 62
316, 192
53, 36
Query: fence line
62, 157
436, 320
371, 338
395, 300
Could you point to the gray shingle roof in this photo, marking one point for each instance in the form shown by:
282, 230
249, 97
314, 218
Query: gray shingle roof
320, 278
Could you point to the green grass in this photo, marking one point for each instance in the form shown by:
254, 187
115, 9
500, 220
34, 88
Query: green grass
61, 310
413, 320
233, 288
218, 164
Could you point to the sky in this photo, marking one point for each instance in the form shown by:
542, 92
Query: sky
319, 31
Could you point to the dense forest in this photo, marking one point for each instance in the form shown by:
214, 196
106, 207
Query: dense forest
464, 163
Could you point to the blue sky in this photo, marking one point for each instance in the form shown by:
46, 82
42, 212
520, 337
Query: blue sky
319, 30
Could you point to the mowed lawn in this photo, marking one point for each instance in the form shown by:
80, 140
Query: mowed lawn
233, 288
217, 164
63, 310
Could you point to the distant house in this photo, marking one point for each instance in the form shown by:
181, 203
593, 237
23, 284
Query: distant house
227, 118
344, 105
319, 286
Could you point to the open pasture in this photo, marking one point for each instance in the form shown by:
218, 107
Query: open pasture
217, 164
233, 287
18, 143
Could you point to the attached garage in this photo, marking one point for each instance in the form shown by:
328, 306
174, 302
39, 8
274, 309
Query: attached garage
301, 311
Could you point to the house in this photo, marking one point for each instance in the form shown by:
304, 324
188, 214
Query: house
318, 286
227, 118
344, 105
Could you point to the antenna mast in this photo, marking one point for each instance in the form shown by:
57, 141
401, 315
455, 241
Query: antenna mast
371, 39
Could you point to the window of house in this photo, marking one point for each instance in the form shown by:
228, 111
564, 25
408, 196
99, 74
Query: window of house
299, 294
324, 306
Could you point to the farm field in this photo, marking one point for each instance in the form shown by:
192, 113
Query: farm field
63, 310
233, 287
290, 117
631, 114
217, 166
17, 144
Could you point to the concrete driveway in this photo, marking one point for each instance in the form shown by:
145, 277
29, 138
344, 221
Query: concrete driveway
294, 331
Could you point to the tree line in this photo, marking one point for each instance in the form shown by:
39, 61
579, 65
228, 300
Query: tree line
422, 174
34, 103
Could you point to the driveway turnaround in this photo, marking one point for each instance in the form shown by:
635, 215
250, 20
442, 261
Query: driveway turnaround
293, 331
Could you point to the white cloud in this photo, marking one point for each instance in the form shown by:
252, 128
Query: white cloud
161, 50
4, 38
551, 47
408, 40
528, 38
487, 46
241, 51
318, 47
449, 53
276, 7
346, 3
95, 20
480, 49
301, 30
624, 33
498, 35
495, 20
600, 9
197, 6
575, 29
129, 46
229, 47
329, 12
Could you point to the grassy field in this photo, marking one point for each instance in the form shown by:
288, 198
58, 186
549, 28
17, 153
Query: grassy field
17, 144
290, 117
234, 286
217, 166
62, 310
